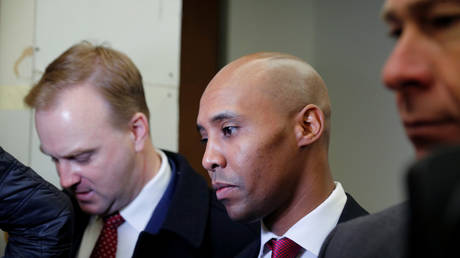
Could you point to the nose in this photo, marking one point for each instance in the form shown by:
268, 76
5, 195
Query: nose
409, 64
213, 157
67, 175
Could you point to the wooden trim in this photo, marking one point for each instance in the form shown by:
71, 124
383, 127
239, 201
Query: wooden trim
198, 64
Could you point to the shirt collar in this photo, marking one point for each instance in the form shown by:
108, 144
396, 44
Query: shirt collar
310, 231
138, 212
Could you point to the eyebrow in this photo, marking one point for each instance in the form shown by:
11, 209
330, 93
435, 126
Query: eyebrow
415, 9
219, 117
72, 154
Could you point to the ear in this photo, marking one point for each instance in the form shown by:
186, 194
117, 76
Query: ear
139, 130
309, 125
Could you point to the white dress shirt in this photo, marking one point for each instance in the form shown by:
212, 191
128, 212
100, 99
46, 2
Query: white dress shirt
310, 231
136, 214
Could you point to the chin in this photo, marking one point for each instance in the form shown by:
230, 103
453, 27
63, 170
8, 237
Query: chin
422, 152
235, 215
91, 209
241, 215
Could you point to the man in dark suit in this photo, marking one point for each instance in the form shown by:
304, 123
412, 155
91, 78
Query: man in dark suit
133, 199
423, 72
265, 120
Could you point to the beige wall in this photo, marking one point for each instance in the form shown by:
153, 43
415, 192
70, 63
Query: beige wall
16, 34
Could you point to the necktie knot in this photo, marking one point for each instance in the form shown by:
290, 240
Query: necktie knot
113, 221
283, 248
106, 245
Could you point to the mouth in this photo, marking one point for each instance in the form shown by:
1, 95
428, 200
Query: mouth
427, 134
223, 190
426, 127
83, 195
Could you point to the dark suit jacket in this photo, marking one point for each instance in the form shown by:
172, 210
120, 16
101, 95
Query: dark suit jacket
351, 210
188, 221
378, 235
427, 226
434, 191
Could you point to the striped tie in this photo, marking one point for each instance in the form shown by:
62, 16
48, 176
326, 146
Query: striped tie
283, 248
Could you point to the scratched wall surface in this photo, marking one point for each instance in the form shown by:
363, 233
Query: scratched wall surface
33, 33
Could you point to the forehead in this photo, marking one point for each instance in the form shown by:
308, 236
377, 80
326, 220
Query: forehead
80, 106
234, 93
81, 99
239, 94
79, 118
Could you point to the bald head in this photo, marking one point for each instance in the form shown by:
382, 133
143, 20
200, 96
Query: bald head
287, 81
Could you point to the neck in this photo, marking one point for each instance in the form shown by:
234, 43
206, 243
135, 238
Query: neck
148, 163
151, 163
314, 186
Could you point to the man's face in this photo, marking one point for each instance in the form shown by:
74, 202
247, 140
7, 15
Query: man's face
94, 160
424, 69
250, 147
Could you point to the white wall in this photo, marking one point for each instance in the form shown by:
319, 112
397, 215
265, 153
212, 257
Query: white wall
346, 42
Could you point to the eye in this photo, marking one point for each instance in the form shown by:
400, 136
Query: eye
83, 158
395, 32
228, 130
444, 21
204, 137
204, 141
395, 26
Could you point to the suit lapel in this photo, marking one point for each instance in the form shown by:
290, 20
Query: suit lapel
351, 210
252, 250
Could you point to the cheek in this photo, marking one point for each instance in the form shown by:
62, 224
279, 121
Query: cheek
120, 152
244, 166
448, 72
108, 168
258, 170
259, 162
453, 81
450, 80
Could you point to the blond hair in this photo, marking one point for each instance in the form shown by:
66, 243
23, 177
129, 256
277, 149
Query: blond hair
111, 72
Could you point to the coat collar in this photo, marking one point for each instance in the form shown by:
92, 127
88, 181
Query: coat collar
351, 210
189, 208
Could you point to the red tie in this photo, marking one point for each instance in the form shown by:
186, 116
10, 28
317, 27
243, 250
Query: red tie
106, 245
283, 248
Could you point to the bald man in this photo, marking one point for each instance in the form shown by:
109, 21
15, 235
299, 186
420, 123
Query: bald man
265, 121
